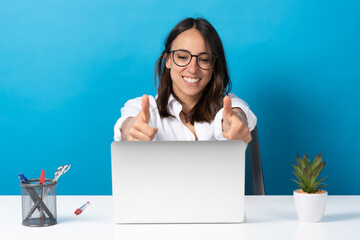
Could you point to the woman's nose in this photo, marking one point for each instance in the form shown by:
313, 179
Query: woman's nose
192, 65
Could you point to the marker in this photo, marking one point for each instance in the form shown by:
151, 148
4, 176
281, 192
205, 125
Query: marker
22, 178
82, 208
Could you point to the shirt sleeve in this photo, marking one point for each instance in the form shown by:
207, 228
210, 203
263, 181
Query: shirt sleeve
130, 109
235, 102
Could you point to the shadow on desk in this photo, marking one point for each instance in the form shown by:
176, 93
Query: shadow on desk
89, 218
65, 219
340, 217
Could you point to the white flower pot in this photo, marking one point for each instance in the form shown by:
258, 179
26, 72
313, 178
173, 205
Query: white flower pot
310, 207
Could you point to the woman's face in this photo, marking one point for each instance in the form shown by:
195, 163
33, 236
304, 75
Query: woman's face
188, 82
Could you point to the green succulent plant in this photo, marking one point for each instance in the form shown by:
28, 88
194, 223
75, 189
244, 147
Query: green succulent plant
307, 173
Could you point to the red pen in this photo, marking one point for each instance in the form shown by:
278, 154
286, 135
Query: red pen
42, 181
42, 177
82, 208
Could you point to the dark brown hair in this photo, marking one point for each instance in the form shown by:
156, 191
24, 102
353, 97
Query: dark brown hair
219, 86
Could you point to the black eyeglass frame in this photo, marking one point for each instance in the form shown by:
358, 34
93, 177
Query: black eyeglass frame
196, 56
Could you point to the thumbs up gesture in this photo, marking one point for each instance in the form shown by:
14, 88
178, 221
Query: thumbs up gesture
234, 123
137, 128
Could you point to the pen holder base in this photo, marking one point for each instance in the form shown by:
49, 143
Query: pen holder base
38, 203
36, 222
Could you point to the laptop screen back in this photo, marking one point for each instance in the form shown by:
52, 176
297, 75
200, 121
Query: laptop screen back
178, 182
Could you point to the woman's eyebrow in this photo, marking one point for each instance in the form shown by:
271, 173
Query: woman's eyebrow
191, 52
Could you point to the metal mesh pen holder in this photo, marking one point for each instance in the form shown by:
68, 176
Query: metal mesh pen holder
38, 203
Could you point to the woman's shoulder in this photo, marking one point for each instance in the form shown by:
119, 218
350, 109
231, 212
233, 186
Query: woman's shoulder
152, 101
236, 101
232, 95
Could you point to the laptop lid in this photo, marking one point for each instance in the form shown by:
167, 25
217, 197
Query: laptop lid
178, 182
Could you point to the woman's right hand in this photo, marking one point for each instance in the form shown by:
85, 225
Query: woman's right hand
137, 128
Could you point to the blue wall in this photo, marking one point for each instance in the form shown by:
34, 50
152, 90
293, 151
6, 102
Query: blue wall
67, 67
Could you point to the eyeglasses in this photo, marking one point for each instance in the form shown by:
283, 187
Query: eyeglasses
182, 58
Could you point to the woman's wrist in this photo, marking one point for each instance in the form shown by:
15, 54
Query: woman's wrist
241, 115
126, 128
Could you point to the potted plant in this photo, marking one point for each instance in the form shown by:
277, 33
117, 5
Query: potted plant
310, 199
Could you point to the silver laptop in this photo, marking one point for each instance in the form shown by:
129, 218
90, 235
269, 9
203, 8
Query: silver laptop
178, 182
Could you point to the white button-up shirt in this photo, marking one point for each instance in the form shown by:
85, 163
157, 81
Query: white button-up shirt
173, 129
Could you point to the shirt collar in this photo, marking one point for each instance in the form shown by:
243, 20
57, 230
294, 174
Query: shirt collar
174, 106
171, 99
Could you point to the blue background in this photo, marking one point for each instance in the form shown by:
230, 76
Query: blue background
67, 67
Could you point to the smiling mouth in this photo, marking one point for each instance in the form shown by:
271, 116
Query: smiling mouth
191, 80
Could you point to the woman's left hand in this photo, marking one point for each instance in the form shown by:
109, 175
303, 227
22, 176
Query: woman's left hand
234, 123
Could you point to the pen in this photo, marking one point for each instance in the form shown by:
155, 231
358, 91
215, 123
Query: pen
42, 181
82, 208
22, 178
42, 177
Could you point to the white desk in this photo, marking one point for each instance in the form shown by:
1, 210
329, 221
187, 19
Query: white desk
266, 217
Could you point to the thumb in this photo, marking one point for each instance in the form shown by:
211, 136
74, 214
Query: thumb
145, 105
227, 112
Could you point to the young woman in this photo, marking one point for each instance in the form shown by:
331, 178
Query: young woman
192, 101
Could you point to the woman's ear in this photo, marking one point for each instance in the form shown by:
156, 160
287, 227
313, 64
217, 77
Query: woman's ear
167, 60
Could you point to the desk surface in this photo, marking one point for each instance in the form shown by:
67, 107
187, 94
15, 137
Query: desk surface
266, 217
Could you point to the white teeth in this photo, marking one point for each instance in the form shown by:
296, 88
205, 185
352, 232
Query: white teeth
191, 80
